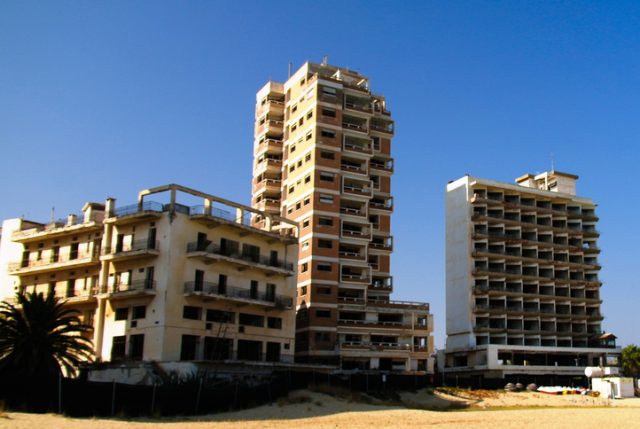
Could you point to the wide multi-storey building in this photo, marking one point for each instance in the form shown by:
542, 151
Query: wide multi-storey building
322, 157
523, 293
163, 281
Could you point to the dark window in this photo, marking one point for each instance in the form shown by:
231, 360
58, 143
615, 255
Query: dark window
324, 267
253, 292
323, 313
328, 133
221, 316
271, 292
118, 347
198, 281
331, 113
249, 350
251, 252
122, 313
74, 251
325, 244
251, 320
229, 247
325, 221
139, 312
189, 312
273, 352
324, 290
136, 346
327, 177
188, 347
217, 348
327, 155
222, 284
274, 322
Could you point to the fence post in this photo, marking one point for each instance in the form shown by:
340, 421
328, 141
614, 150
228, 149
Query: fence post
113, 399
60, 393
198, 395
153, 398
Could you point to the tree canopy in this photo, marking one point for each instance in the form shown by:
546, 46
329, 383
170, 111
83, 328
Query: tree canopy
41, 337
631, 360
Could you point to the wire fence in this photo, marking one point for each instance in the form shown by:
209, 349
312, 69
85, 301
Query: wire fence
197, 395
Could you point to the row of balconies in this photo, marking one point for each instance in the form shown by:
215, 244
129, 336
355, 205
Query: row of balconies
530, 275
564, 294
530, 204
575, 230
213, 251
73, 259
69, 225
560, 258
531, 340
558, 312
222, 291
362, 167
381, 302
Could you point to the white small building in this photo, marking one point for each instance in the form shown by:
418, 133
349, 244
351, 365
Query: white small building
614, 387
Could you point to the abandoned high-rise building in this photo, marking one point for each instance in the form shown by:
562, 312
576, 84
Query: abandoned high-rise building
523, 293
322, 157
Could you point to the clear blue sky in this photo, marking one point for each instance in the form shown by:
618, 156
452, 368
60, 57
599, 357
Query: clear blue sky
103, 99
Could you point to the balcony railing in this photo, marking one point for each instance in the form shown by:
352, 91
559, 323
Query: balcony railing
355, 277
136, 246
358, 148
216, 249
147, 206
133, 286
374, 345
355, 127
231, 292
69, 259
352, 211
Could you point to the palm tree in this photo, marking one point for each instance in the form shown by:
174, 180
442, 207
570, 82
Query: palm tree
40, 338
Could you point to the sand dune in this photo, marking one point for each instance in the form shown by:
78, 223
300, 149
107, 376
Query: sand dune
304, 409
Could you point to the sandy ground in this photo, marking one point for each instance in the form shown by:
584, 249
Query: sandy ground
303, 409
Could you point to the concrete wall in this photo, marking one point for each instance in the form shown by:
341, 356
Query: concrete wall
458, 269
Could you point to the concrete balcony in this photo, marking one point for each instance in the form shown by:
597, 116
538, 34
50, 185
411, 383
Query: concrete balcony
359, 127
136, 213
350, 301
269, 204
382, 204
136, 250
357, 147
214, 252
385, 166
351, 168
271, 186
375, 346
368, 324
363, 234
208, 291
385, 127
381, 244
357, 190
134, 289
73, 260
363, 277
269, 146
60, 228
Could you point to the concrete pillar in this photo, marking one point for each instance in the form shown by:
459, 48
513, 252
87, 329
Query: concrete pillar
239, 215
110, 207
207, 207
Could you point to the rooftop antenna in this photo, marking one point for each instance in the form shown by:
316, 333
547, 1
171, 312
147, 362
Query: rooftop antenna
290, 67
53, 214
553, 163
325, 60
